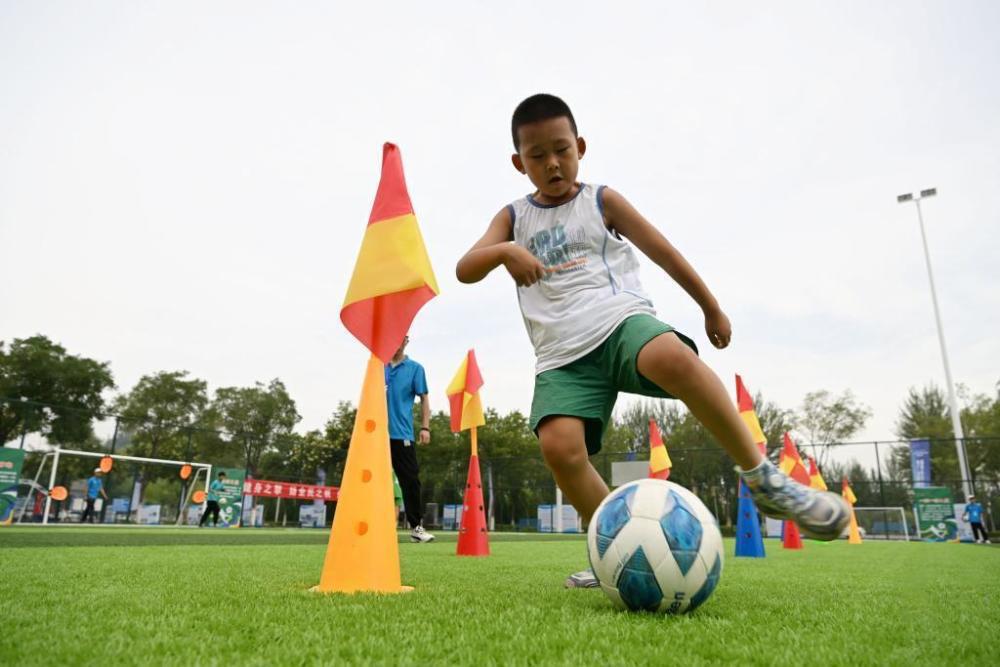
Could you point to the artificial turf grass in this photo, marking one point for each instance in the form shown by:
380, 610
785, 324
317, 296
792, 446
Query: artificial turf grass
190, 604
75, 535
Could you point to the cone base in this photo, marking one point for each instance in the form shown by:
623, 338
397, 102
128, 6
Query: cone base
402, 589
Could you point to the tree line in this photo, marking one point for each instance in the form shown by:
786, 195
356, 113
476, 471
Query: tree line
46, 390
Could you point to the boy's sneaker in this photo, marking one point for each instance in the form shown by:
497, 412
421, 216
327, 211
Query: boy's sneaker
822, 515
584, 579
418, 534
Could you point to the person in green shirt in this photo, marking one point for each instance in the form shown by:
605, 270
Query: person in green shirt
217, 487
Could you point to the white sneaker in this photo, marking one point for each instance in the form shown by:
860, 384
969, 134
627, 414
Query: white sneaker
418, 534
583, 579
822, 515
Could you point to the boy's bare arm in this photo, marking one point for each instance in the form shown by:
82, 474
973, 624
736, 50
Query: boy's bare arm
495, 248
622, 217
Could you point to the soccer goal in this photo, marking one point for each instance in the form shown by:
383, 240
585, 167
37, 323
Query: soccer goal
191, 474
883, 523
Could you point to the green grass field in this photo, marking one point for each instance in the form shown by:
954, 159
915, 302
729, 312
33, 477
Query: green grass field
188, 597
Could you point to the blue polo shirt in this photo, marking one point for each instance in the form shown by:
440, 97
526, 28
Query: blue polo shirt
403, 382
975, 512
216, 489
94, 485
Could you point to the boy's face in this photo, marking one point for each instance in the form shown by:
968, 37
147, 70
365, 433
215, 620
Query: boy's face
550, 156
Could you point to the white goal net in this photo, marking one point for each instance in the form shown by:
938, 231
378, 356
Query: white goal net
883, 523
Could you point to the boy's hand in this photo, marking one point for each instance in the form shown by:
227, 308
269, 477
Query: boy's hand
718, 328
522, 266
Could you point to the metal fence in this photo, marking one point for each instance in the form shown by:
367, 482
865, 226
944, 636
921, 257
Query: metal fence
878, 473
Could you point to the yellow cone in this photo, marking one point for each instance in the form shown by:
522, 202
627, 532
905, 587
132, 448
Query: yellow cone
854, 536
363, 553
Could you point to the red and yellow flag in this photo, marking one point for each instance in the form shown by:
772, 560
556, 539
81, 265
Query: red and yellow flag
463, 395
659, 460
392, 277
815, 479
745, 406
791, 463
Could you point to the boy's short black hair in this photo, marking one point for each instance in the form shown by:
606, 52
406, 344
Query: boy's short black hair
539, 107
222, 474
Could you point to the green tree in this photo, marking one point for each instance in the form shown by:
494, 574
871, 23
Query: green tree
256, 418
62, 392
924, 414
159, 417
827, 419
981, 424
160, 414
775, 421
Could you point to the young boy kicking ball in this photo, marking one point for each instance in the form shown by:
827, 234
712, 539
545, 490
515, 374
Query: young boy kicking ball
568, 247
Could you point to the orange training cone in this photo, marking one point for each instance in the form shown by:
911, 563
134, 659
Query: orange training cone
392, 280
363, 552
467, 413
853, 535
791, 538
473, 539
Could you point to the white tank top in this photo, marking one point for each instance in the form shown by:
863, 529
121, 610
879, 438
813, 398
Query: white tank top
592, 277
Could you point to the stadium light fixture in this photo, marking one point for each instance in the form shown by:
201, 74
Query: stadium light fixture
956, 420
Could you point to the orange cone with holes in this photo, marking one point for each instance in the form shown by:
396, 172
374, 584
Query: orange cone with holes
467, 413
363, 553
392, 280
473, 540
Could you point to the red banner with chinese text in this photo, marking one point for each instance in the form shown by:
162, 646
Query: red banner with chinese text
268, 489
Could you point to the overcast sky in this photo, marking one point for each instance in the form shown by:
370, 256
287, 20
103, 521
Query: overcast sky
185, 185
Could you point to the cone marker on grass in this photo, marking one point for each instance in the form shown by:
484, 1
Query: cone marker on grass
467, 413
392, 280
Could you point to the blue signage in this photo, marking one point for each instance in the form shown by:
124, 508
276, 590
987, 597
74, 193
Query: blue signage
920, 461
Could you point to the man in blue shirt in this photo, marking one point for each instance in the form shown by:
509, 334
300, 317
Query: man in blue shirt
95, 487
215, 491
974, 515
405, 380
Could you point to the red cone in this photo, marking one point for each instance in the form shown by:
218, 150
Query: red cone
472, 537
791, 538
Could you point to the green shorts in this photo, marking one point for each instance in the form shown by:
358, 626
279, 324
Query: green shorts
588, 387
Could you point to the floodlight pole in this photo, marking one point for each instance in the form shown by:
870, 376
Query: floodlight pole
956, 420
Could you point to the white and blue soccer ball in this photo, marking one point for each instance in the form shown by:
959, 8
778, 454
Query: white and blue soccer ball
654, 546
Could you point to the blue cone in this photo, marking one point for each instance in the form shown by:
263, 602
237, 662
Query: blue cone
749, 543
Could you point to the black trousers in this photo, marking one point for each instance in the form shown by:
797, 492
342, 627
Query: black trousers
978, 528
404, 464
211, 507
89, 512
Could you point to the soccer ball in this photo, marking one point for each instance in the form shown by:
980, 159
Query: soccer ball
654, 546
223, 501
